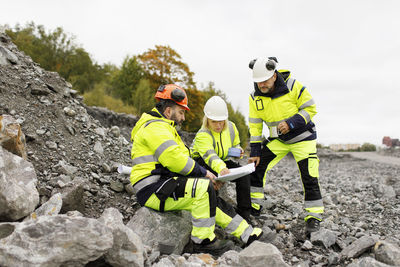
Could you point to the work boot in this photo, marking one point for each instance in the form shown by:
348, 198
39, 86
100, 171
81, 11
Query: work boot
312, 225
216, 247
255, 235
245, 214
255, 212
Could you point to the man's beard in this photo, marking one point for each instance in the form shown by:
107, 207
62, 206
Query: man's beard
178, 123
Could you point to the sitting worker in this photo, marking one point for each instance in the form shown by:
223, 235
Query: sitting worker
163, 171
214, 145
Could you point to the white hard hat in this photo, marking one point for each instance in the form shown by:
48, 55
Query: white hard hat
263, 68
216, 109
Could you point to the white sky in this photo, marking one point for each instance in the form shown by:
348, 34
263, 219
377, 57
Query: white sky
345, 52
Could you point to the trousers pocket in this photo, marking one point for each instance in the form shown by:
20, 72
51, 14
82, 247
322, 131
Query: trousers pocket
166, 189
313, 166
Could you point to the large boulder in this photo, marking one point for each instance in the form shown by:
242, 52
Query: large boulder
18, 193
262, 255
170, 230
128, 248
53, 241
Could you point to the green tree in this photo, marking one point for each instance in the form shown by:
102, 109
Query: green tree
143, 97
126, 80
56, 51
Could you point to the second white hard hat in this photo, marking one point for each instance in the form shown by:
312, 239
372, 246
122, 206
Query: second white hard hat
216, 109
263, 68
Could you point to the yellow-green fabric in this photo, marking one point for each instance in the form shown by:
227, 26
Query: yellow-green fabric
272, 111
199, 205
305, 150
156, 141
213, 147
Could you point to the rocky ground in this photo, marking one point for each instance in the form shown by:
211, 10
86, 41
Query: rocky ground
67, 141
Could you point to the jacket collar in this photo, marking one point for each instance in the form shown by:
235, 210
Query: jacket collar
156, 113
280, 88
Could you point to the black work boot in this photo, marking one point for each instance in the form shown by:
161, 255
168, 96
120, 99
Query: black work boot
255, 212
216, 247
255, 235
312, 225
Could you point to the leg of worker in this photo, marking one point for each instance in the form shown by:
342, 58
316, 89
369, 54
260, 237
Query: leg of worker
271, 154
234, 224
307, 160
197, 196
242, 192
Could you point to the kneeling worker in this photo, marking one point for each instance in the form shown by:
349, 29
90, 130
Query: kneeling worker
161, 170
212, 146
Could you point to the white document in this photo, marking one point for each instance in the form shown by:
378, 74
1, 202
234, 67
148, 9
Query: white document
237, 173
124, 169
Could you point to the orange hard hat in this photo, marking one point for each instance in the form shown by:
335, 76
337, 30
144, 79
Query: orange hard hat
173, 92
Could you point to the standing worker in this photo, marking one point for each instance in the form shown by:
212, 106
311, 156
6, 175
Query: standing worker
161, 169
287, 108
214, 146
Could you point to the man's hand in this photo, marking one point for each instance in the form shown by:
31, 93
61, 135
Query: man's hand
216, 184
256, 160
283, 127
224, 171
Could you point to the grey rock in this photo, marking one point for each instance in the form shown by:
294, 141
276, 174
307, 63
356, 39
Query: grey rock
69, 111
66, 168
115, 131
260, 254
162, 228
323, 237
387, 253
51, 145
18, 193
117, 186
98, 148
54, 241
7, 57
307, 245
50, 208
367, 262
359, 246
127, 249
72, 195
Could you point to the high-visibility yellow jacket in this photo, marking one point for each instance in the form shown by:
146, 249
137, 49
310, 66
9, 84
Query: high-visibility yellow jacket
290, 102
213, 147
157, 148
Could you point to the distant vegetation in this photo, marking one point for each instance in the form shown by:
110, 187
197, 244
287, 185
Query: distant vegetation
128, 88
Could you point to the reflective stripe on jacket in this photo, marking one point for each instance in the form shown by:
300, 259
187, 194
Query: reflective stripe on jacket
213, 147
290, 102
156, 142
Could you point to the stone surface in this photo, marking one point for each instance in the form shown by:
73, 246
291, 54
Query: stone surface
53, 241
387, 253
359, 246
260, 254
128, 248
50, 208
168, 228
18, 193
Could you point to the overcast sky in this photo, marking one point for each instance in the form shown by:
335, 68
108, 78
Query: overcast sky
347, 53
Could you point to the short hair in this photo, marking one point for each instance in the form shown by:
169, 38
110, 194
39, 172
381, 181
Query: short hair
165, 103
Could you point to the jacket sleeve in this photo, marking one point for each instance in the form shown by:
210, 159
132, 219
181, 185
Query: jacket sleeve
161, 140
203, 144
256, 127
305, 105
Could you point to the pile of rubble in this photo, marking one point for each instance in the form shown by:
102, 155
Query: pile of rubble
62, 203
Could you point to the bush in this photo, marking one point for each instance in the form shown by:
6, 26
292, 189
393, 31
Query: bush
368, 147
